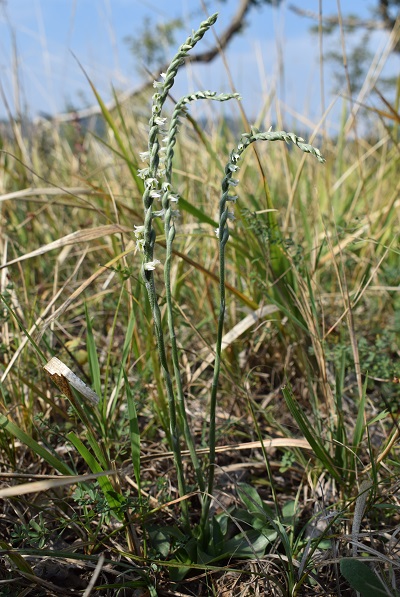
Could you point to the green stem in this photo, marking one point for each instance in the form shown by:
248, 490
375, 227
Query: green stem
174, 427
223, 234
170, 235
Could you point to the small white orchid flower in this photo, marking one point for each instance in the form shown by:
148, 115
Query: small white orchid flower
139, 230
143, 173
140, 244
151, 265
160, 121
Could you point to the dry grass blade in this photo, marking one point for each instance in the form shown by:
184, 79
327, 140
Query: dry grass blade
62, 481
80, 236
130, 248
38, 321
268, 444
33, 192
234, 334
63, 377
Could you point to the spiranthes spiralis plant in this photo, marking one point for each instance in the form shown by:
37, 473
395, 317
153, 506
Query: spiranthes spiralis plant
157, 176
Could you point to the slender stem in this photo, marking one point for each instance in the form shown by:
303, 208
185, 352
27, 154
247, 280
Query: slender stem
168, 199
223, 235
146, 240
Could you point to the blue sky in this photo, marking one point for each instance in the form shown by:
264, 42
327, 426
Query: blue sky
48, 31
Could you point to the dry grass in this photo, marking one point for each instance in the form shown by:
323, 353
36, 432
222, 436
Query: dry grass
312, 295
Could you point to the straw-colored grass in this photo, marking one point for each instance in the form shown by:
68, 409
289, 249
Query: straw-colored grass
306, 473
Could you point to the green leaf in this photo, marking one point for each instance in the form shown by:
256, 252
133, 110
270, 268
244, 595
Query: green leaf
19, 562
196, 212
26, 439
92, 355
160, 541
378, 417
359, 428
186, 557
306, 428
251, 544
250, 498
362, 579
126, 351
114, 499
134, 432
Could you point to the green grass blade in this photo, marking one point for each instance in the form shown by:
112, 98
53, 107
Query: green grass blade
360, 423
306, 428
19, 562
134, 432
40, 353
362, 578
92, 356
126, 351
114, 500
23, 437
197, 213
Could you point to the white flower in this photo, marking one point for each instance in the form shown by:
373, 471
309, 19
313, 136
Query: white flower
140, 245
173, 198
150, 182
151, 265
160, 121
233, 167
143, 173
217, 232
231, 216
158, 214
139, 230
232, 198
233, 182
158, 84
155, 194
166, 186
144, 156
163, 75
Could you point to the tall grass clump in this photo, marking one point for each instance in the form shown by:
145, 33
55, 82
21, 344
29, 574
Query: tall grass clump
210, 299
